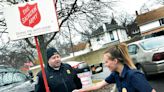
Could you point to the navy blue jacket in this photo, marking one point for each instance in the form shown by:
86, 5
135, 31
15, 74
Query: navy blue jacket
63, 80
131, 79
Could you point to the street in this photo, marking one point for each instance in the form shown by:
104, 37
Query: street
156, 81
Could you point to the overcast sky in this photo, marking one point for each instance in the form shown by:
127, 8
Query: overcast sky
130, 5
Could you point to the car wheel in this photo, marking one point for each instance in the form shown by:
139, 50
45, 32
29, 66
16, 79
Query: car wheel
141, 69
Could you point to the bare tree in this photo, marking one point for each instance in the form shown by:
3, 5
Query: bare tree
62, 47
15, 57
144, 8
73, 11
124, 18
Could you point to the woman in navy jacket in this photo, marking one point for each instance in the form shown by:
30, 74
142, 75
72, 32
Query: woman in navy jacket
124, 72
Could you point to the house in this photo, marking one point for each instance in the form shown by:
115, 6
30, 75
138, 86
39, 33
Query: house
152, 22
133, 29
108, 33
79, 49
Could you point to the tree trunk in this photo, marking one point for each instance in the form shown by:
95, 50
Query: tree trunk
43, 48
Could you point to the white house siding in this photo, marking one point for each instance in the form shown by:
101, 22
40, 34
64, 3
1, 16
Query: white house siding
125, 35
122, 35
104, 27
98, 44
115, 35
108, 38
105, 38
149, 26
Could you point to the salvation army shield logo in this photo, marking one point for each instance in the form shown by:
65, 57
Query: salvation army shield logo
29, 15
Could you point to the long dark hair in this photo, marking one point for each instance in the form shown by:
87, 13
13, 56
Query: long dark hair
120, 52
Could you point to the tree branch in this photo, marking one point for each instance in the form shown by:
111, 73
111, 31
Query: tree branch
69, 14
46, 44
29, 43
65, 19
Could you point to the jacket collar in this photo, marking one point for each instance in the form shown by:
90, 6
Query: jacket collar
51, 69
124, 71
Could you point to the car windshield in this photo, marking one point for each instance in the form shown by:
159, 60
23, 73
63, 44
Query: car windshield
7, 78
152, 43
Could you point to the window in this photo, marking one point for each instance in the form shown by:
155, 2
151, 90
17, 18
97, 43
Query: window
153, 43
132, 49
161, 21
111, 36
98, 39
11, 77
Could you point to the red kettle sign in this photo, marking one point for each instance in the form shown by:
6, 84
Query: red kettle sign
29, 15
31, 18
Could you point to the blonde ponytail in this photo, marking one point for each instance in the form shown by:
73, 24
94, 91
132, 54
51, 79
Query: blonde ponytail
120, 52
127, 60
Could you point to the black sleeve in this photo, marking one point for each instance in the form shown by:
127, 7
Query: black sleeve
39, 86
77, 80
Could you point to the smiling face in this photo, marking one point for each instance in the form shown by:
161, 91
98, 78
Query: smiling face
110, 62
55, 61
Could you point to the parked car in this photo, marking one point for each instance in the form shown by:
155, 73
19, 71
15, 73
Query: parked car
83, 72
79, 66
148, 55
97, 68
12, 80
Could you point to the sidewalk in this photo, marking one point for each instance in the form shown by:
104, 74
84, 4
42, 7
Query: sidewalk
109, 88
101, 76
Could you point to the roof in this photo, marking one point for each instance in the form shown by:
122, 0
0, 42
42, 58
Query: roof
109, 27
150, 16
131, 28
99, 31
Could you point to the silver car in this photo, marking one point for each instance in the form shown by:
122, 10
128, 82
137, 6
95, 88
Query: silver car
79, 66
12, 80
148, 55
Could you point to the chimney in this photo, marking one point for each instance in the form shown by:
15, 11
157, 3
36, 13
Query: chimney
136, 13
